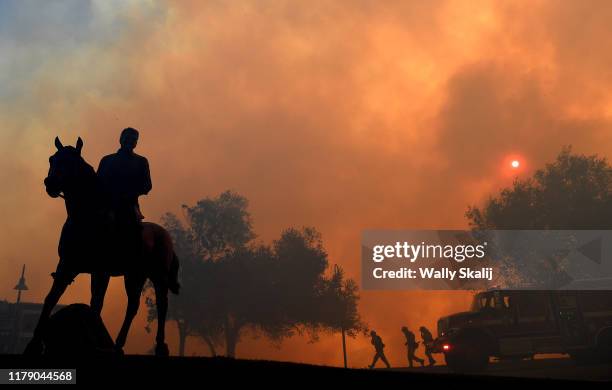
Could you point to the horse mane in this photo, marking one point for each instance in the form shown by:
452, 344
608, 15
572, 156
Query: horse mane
87, 168
88, 173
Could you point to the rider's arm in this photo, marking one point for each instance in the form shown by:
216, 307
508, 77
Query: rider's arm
146, 179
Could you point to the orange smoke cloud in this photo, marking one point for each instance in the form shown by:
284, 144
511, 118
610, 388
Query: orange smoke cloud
342, 116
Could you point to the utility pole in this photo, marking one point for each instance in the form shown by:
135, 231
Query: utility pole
337, 270
344, 347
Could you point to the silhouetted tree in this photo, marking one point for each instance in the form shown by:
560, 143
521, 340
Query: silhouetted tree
233, 286
338, 308
283, 290
339, 300
311, 301
573, 192
220, 226
190, 319
222, 231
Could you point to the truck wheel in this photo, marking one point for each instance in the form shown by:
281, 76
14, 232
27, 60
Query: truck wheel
601, 353
467, 359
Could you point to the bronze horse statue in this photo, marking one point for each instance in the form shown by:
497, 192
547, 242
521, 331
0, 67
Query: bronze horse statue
87, 245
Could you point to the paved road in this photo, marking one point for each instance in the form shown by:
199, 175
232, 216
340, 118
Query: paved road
558, 368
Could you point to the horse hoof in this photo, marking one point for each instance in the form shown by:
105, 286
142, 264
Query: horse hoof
162, 350
34, 348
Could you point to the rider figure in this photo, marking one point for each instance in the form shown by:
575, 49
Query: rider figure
125, 176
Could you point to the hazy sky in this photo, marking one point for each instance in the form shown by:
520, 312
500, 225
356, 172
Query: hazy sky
342, 115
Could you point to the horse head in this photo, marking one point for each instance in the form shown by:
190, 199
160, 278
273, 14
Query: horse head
65, 167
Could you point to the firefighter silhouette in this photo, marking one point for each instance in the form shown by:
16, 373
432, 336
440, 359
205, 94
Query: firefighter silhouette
124, 176
379, 348
411, 346
428, 343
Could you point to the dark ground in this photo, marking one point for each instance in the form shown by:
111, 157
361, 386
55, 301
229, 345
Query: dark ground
556, 368
217, 372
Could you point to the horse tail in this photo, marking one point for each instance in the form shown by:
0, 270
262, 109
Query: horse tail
173, 277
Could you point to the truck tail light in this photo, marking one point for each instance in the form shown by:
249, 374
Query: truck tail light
446, 347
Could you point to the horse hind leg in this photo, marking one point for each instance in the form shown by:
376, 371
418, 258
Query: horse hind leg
161, 298
133, 288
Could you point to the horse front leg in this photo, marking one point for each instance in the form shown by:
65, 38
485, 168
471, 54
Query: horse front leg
99, 285
35, 346
133, 288
161, 298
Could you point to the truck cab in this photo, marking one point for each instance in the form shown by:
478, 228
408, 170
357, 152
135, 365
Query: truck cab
516, 324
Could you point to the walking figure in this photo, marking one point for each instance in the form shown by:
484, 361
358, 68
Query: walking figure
379, 347
428, 343
411, 346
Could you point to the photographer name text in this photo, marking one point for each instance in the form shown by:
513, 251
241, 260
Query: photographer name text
485, 273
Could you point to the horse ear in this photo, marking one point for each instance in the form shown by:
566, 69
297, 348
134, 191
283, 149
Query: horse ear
79, 145
58, 143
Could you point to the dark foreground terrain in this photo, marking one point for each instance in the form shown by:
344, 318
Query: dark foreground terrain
558, 368
194, 371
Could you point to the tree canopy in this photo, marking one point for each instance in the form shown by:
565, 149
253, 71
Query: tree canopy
233, 286
573, 192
